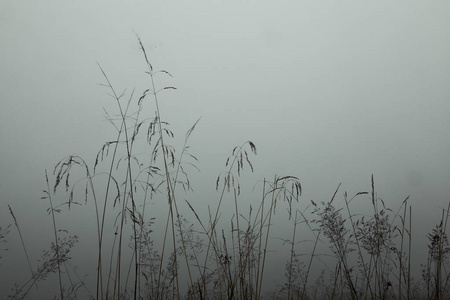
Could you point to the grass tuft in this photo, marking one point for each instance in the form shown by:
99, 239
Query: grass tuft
149, 244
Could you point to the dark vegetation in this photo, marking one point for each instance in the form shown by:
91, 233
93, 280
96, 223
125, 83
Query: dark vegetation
198, 257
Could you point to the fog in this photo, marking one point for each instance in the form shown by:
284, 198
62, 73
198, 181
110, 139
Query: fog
329, 91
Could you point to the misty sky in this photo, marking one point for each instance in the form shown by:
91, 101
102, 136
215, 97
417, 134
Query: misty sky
329, 91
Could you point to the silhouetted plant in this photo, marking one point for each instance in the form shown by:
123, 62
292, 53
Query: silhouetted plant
3, 234
438, 255
209, 257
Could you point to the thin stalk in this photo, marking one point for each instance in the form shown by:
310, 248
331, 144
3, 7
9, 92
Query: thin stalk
260, 236
111, 261
267, 237
401, 255
409, 252
238, 237
128, 180
99, 265
233, 249
56, 237
292, 256
441, 247
366, 273
310, 264
214, 221
162, 256
170, 189
24, 247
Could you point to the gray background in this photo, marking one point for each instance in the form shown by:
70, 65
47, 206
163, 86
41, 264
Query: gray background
329, 91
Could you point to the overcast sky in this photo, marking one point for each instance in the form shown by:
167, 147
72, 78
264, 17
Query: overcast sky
329, 91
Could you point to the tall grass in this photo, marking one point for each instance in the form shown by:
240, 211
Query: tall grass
333, 252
